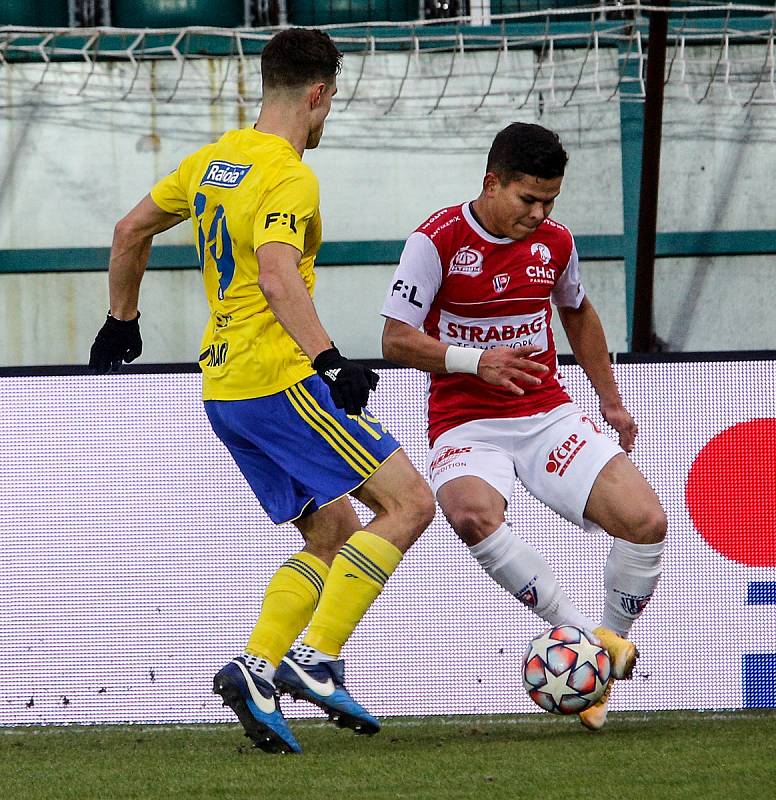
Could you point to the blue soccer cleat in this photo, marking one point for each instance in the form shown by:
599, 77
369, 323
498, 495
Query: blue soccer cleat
324, 685
255, 702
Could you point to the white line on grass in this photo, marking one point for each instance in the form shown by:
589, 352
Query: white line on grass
408, 722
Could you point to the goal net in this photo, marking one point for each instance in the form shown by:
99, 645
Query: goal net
402, 85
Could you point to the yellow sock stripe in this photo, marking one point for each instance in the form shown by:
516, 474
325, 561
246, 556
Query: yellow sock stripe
306, 572
315, 576
351, 548
335, 426
316, 425
364, 563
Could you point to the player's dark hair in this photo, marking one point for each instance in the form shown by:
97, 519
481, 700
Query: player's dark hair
297, 57
524, 149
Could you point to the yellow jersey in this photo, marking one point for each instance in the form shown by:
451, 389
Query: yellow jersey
247, 189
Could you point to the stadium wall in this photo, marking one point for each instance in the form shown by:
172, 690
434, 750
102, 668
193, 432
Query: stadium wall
134, 556
68, 172
52, 317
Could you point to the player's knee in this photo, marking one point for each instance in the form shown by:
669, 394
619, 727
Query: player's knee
410, 511
420, 509
651, 527
472, 524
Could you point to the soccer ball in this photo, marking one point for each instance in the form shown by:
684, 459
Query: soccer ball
565, 669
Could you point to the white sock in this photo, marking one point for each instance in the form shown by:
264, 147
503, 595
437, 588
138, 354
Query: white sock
523, 572
631, 574
305, 654
259, 666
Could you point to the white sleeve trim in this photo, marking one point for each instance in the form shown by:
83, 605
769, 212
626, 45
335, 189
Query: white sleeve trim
415, 283
569, 291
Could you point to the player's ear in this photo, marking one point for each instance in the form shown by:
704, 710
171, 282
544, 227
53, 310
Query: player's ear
316, 94
490, 183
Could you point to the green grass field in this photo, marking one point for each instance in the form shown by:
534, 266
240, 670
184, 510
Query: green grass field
640, 756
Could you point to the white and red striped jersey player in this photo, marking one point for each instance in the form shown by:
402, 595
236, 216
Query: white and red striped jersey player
471, 303
468, 288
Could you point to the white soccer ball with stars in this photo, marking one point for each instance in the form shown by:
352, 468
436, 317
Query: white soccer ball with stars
565, 669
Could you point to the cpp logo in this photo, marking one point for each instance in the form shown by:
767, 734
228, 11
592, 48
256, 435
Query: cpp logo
559, 459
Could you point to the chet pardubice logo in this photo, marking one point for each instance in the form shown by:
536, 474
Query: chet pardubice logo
541, 250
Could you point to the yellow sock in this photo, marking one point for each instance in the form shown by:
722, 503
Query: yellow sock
357, 576
289, 602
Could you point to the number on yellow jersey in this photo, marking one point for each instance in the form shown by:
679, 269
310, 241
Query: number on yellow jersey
218, 242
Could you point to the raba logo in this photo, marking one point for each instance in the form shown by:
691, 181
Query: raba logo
224, 174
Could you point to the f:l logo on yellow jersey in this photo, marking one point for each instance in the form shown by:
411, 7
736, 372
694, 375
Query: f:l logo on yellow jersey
280, 218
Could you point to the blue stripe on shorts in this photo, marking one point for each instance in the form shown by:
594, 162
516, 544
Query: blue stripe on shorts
296, 449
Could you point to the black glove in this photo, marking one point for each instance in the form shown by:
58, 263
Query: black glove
348, 382
118, 340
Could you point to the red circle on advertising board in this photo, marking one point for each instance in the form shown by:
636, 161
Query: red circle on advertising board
731, 492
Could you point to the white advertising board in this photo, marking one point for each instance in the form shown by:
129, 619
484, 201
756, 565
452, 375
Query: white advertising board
134, 556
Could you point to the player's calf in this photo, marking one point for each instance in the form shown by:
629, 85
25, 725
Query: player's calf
401, 500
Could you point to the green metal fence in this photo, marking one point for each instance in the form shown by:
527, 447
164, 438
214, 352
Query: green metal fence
42, 13
177, 13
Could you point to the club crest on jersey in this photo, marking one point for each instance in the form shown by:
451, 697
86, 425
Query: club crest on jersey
224, 174
500, 282
545, 256
467, 261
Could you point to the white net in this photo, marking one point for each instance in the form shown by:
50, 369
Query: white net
407, 85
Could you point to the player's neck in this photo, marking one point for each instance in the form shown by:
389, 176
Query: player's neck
481, 217
284, 122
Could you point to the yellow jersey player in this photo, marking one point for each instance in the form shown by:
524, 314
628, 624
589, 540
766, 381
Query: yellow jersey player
288, 406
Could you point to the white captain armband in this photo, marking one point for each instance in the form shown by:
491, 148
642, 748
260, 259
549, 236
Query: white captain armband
462, 359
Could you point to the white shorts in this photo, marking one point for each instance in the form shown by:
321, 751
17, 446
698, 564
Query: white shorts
557, 456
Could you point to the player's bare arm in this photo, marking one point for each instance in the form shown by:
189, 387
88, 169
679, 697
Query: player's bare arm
118, 341
501, 366
131, 246
287, 295
588, 343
